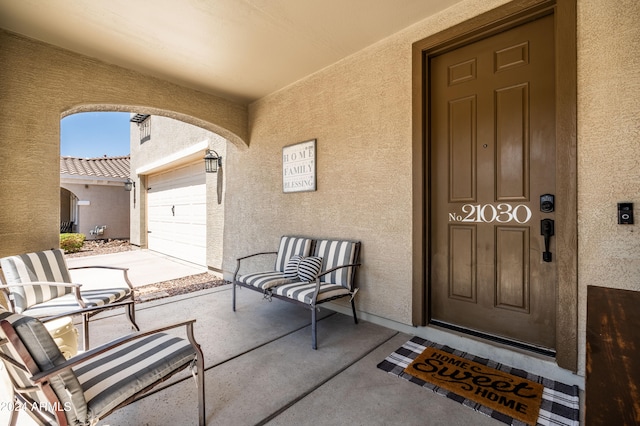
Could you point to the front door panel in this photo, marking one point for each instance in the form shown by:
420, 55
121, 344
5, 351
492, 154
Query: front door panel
492, 158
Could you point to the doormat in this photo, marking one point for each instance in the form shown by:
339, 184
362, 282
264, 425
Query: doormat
468, 380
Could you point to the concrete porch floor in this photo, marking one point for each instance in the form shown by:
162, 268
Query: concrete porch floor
260, 368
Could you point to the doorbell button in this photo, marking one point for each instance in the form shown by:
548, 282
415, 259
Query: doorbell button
625, 213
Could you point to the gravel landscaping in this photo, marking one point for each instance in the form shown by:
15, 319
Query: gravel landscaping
152, 291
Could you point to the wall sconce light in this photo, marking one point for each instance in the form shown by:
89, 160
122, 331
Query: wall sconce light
212, 161
129, 185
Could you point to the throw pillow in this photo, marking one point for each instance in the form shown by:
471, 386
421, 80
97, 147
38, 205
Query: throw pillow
309, 267
291, 268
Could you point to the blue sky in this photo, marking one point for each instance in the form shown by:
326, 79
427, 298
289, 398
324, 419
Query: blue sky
95, 134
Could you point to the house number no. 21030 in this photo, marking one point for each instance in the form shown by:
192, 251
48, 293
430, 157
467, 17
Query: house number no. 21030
487, 213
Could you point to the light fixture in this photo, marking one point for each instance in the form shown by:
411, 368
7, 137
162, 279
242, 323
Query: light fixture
212, 161
129, 185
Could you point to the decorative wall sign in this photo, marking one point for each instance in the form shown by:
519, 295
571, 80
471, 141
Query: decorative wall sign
299, 167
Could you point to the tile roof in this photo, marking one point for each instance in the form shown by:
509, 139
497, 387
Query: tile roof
109, 167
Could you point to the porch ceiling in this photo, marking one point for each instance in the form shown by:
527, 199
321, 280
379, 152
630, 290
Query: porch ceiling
239, 49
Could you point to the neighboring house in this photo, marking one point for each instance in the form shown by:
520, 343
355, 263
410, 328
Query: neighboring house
172, 210
92, 196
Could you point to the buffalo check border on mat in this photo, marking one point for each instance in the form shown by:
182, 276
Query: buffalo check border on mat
560, 402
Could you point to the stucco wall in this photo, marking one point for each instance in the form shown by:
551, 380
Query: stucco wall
39, 84
168, 138
608, 146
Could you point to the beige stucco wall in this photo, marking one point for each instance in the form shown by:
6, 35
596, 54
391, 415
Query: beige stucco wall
39, 84
169, 138
359, 110
608, 147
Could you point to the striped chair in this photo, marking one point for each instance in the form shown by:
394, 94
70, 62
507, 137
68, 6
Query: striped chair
39, 285
90, 386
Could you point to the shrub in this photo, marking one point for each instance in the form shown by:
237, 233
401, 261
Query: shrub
71, 243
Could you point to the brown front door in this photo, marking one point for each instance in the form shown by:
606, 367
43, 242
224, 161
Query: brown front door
492, 158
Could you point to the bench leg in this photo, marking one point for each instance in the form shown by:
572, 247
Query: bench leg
353, 308
314, 334
233, 296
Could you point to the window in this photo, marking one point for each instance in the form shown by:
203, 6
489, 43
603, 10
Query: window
144, 125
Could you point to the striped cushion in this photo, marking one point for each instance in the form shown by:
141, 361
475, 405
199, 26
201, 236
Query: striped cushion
47, 266
303, 292
46, 354
68, 302
289, 247
113, 377
309, 268
336, 253
264, 280
291, 270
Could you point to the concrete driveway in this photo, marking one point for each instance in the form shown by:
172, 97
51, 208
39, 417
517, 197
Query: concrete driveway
145, 267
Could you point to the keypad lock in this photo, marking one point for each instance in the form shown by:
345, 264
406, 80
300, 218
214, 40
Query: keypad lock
547, 203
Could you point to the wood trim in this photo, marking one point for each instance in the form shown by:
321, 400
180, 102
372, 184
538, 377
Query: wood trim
510, 15
566, 189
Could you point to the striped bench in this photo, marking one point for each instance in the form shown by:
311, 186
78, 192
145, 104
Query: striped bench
307, 272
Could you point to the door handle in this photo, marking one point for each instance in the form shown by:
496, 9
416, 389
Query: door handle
547, 231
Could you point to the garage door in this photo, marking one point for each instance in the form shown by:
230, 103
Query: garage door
177, 213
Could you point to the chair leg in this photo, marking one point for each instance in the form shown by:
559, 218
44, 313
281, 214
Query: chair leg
85, 331
13, 416
353, 308
131, 315
202, 412
314, 329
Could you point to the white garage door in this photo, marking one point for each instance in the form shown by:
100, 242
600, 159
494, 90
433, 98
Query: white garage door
177, 213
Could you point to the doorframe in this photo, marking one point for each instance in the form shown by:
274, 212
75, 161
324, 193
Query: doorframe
502, 18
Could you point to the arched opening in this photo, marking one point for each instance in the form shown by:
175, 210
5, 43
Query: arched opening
173, 206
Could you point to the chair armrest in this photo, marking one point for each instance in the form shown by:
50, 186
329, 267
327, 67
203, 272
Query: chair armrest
86, 310
125, 271
48, 283
238, 260
74, 286
79, 359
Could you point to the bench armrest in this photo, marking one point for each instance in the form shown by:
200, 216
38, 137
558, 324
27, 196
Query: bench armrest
317, 290
350, 265
78, 359
240, 259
